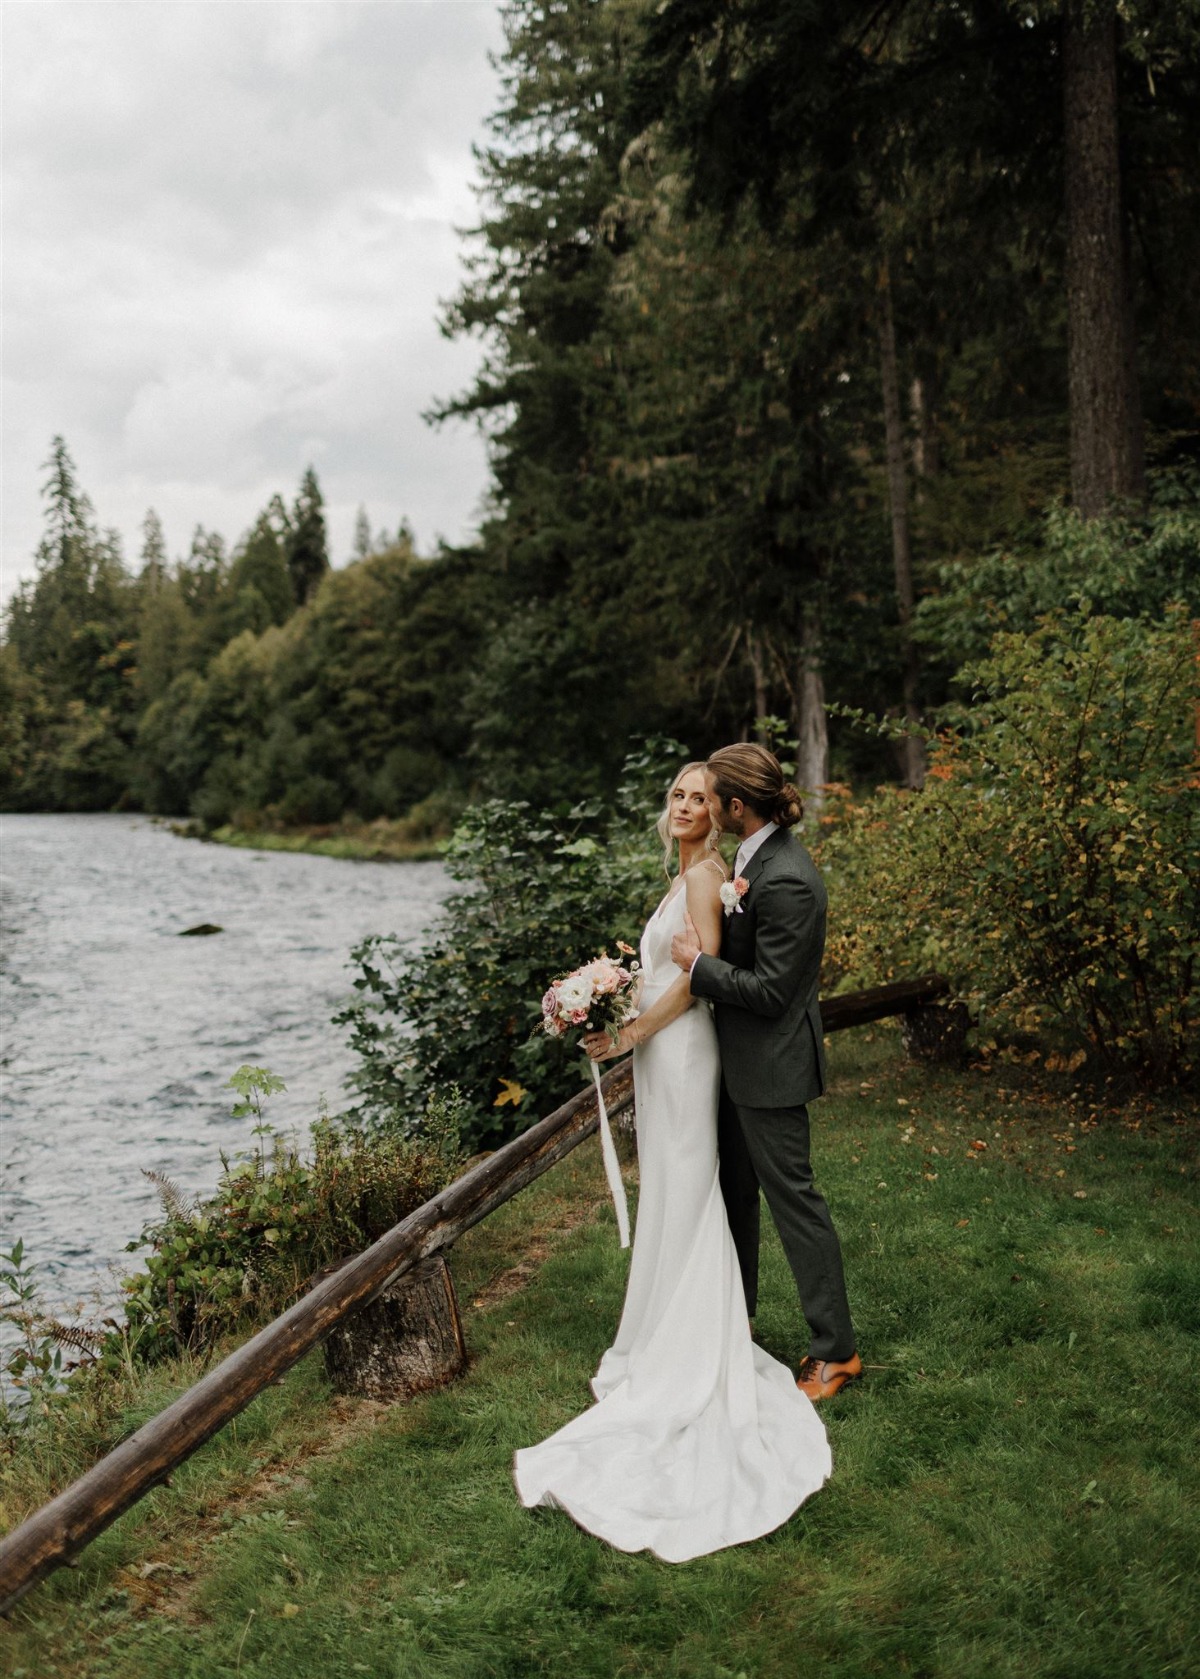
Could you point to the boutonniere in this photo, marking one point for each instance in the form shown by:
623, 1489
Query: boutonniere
732, 893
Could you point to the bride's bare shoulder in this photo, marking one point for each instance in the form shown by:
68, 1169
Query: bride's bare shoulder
704, 880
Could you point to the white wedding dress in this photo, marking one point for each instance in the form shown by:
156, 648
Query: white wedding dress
698, 1439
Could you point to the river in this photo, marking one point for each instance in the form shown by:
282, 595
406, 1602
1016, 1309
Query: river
118, 1035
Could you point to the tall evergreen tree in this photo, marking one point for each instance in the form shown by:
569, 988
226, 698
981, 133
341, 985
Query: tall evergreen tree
362, 534
307, 545
71, 657
154, 551
537, 294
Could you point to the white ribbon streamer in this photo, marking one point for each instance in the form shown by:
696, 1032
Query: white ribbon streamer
612, 1170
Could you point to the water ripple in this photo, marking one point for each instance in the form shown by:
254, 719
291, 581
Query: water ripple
118, 1035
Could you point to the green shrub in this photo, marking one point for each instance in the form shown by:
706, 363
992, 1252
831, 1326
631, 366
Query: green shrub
1131, 564
1050, 866
540, 892
245, 1252
315, 799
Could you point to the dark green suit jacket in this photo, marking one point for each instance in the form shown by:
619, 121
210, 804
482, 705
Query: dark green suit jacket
764, 983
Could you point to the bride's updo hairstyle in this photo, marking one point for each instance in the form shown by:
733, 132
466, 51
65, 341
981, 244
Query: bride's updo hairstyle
663, 825
752, 774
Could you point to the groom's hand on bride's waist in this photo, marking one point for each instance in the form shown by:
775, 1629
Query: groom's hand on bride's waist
685, 946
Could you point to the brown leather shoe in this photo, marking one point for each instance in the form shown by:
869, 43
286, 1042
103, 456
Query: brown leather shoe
821, 1378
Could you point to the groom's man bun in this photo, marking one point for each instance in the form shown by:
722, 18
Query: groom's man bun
752, 774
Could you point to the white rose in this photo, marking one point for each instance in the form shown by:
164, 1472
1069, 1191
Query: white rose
574, 992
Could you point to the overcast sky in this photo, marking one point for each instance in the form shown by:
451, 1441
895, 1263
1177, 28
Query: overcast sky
227, 227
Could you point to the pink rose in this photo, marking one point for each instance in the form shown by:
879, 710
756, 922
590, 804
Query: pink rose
550, 1004
741, 886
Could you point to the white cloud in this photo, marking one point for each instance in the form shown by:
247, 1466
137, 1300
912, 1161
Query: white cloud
227, 231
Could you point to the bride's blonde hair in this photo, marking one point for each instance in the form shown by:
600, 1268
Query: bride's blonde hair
663, 825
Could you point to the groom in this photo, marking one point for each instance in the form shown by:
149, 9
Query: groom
764, 986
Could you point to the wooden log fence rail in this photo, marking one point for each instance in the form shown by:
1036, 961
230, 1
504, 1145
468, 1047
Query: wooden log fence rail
51, 1537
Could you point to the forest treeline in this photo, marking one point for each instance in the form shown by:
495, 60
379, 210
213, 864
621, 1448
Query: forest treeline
799, 328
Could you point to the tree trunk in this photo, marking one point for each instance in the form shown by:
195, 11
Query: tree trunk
812, 730
914, 751
936, 1032
754, 652
923, 402
1105, 404
404, 1341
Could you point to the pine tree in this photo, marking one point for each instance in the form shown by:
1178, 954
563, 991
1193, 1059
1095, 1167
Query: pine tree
307, 546
70, 660
154, 551
362, 534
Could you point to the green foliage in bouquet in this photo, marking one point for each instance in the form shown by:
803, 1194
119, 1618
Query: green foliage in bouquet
277, 1216
540, 892
1050, 865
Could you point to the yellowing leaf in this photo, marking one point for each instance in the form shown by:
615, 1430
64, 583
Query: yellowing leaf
511, 1092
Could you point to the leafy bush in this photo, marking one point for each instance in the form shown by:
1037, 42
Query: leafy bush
1131, 564
276, 1217
1050, 865
540, 891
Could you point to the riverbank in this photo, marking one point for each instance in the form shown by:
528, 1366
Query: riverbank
1014, 1489
382, 841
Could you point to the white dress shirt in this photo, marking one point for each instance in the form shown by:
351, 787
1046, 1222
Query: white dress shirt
749, 846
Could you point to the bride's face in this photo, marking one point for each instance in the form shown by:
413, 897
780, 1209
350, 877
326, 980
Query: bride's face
687, 809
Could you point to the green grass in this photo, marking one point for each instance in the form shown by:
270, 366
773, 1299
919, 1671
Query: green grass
1014, 1488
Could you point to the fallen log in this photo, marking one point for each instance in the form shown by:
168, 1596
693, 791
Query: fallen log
860, 1008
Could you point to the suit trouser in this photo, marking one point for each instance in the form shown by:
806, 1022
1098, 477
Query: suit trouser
769, 1148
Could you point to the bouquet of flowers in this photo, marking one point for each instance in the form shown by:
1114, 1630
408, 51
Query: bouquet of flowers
598, 997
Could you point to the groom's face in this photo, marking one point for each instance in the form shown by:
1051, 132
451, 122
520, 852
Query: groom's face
727, 818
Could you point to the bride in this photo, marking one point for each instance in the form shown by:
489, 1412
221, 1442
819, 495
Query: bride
698, 1439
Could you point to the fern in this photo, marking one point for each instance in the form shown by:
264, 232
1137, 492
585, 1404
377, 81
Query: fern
77, 1336
175, 1203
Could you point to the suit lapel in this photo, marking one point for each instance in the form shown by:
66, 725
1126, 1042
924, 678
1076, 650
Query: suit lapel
732, 930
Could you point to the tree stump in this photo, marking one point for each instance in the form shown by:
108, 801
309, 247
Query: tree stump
936, 1032
405, 1341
